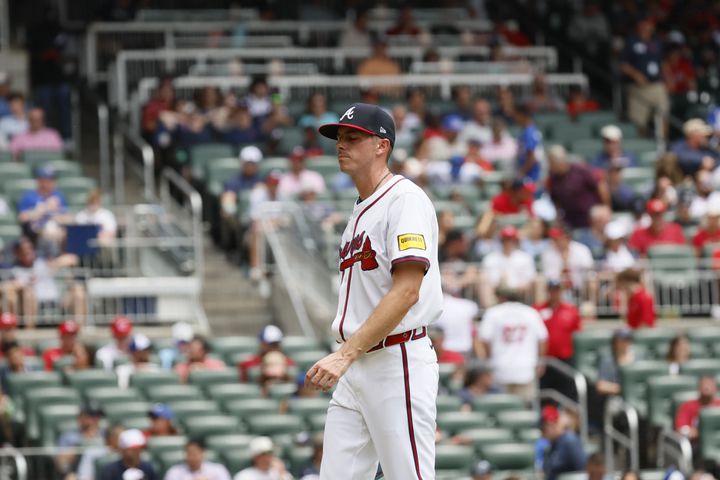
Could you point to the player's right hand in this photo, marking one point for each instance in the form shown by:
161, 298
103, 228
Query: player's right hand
327, 371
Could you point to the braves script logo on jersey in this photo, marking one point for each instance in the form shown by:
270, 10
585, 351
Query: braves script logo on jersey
348, 113
366, 256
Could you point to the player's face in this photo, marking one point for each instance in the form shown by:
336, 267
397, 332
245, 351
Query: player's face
355, 149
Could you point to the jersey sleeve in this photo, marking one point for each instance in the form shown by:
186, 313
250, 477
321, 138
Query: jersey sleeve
410, 235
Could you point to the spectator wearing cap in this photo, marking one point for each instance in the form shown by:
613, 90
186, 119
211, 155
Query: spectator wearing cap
709, 230
130, 466
478, 126
641, 63
8, 333
612, 153
16, 122
86, 467
140, 351
508, 267
270, 337
299, 177
573, 188
442, 147
641, 305
121, 328
594, 236
515, 197
182, 333
501, 149
198, 359
566, 453
37, 136
458, 322
14, 356
618, 256
621, 353
317, 113
67, 333
41, 210
273, 369
688, 413
88, 431
162, 421
693, 152
95, 214
195, 466
245, 181
566, 260
265, 464
478, 382
267, 191
658, 232
482, 470
529, 154
379, 63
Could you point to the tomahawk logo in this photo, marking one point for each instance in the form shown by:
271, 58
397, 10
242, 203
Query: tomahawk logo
366, 256
348, 113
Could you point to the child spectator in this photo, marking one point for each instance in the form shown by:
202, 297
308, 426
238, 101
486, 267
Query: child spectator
641, 306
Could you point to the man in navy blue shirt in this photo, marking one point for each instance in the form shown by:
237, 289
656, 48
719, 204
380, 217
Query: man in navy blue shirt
246, 179
640, 64
565, 453
529, 146
130, 465
612, 153
41, 209
693, 152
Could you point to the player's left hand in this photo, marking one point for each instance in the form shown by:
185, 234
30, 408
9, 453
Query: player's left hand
327, 371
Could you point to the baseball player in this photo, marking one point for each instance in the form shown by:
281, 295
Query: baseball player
385, 370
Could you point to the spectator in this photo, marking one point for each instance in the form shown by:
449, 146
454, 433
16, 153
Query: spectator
41, 211
658, 232
162, 421
479, 125
417, 109
4, 93
182, 333
14, 362
562, 320
590, 29
195, 466
240, 128
534, 241
462, 102
37, 136
162, 100
130, 465
709, 231
405, 132
405, 24
16, 122
641, 306
121, 328
596, 468
67, 332
299, 177
509, 267
477, 383
317, 113
612, 154
482, 471
566, 452
704, 195
573, 188
378, 63
140, 350
265, 465
95, 214
514, 339
641, 64
88, 431
515, 197
86, 467
688, 414
501, 149
622, 195
246, 180
566, 260
276, 121
458, 322
594, 237
541, 100
506, 109
692, 152
263, 192
82, 359
8, 333
258, 100
579, 103
678, 72
621, 354
529, 154
631, 475
198, 359
274, 369
437, 337
312, 470
617, 255
678, 353
442, 147
357, 35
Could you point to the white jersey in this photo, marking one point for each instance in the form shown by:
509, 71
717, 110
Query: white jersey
395, 224
514, 331
458, 323
516, 270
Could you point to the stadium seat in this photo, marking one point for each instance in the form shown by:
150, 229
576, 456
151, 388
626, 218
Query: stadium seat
598, 119
701, 366
70, 186
14, 171
189, 408
654, 340
587, 345
673, 264
202, 154
517, 220
517, 420
480, 437
298, 457
495, 403
566, 132
510, 456
248, 407
141, 422
64, 168
205, 378
659, 397
168, 458
153, 378
293, 344
273, 424
19, 383
306, 407
36, 398
708, 337
448, 403
528, 435
174, 393
218, 171
116, 412
91, 378
575, 476
232, 391
110, 395
282, 391
50, 416
291, 138
639, 178
586, 148
678, 398
653, 474
306, 359
634, 378
710, 432
639, 146
159, 444
236, 459
453, 457
34, 158
227, 347
205, 425
228, 441
453, 422
316, 422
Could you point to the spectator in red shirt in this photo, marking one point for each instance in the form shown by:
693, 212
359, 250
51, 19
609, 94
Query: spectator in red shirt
68, 332
162, 100
678, 72
579, 103
270, 338
516, 197
658, 232
641, 306
709, 232
688, 414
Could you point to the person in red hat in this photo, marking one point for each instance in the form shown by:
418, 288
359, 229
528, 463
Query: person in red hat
509, 267
658, 232
121, 328
68, 332
8, 329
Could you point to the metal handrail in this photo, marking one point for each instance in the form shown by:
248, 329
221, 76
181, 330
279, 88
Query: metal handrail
103, 118
4, 26
21, 466
677, 447
617, 406
581, 406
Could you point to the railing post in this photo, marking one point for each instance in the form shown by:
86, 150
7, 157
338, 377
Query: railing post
75, 122
104, 145
91, 55
119, 170
4, 26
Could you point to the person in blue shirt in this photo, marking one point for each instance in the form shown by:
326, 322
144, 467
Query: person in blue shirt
693, 152
612, 153
246, 179
565, 452
42, 209
529, 146
317, 113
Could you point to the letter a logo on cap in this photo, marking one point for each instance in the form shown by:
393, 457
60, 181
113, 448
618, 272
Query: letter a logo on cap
348, 113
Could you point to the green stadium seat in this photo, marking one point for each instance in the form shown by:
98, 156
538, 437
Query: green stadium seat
189, 408
708, 337
14, 171
91, 378
36, 398
448, 403
455, 457
211, 425
236, 459
70, 186
634, 378
653, 474
282, 391
566, 132
453, 422
201, 155
117, 412
10, 233
639, 178
510, 456
598, 119
481, 437
50, 416
218, 171
517, 420
528, 435
587, 345
140, 422
678, 398
228, 441
660, 391
6, 156
575, 476
316, 423
227, 347
174, 393
64, 168
293, 344
16, 188
233, 391
496, 403
305, 360
710, 432
273, 163
545, 119
153, 378
446, 371
701, 366
19, 383
585, 147
655, 340
8, 218
639, 146
205, 378
275, 424
298, 457
111, 395
306, 407
456, 208
291, 138
157, 445
248, 407
648, 159
33, 158
517, 220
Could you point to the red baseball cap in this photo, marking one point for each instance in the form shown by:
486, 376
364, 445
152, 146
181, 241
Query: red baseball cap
69, 327
8, 321
556, 232
509, 232
550, 414
121, 326
655, 205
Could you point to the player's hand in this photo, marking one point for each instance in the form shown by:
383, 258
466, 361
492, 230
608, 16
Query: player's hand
327, 371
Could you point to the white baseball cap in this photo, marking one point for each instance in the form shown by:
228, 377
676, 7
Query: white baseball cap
271, 334
251, 153
696, 126
182, 332
260, 445
615, 230
131, 438
611, 132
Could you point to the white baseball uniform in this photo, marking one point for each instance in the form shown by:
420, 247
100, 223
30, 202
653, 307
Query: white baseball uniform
384, 406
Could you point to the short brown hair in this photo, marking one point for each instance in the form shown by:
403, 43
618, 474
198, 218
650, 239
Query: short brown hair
629, 275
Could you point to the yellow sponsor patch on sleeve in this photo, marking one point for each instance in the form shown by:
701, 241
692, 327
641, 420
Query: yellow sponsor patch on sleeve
411, 240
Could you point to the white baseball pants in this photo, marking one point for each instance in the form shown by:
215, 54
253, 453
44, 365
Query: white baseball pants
384, 409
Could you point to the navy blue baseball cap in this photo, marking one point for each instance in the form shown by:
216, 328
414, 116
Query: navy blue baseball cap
366, 118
